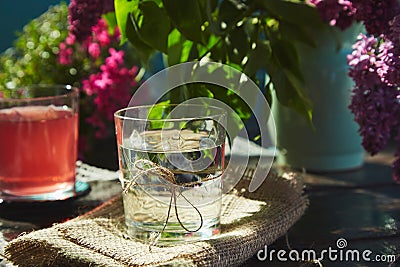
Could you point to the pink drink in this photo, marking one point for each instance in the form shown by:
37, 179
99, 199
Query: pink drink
38, 149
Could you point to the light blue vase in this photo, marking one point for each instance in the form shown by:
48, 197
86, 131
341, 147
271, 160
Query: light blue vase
335, 144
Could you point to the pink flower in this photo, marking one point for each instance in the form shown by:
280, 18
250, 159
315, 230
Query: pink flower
103, 81
101, 34
65, 54
115, 59
94, 50
110, 88
70, 40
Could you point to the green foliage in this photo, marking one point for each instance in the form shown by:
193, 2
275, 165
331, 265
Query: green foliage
247, 35
33, 59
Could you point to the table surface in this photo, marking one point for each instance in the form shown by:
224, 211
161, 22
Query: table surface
361, 207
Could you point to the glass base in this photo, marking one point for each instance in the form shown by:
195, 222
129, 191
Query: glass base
80, 188
145, 233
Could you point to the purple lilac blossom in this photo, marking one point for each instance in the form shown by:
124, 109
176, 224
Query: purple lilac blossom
340, 13
374, 102
83, 14
389, 68
394, 34
376, 14
393, 75
375, 111
374, 67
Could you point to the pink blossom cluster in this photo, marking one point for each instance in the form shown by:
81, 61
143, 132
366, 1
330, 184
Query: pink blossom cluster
100, 40
107, 80
111, 88
375, 14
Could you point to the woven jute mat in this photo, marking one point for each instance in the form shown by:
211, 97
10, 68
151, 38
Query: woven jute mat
98, 238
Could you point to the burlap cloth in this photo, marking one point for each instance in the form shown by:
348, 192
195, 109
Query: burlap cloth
249, 221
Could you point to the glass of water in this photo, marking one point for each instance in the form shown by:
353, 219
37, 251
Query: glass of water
171, 159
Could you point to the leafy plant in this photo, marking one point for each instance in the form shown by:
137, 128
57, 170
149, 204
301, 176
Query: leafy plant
251, 36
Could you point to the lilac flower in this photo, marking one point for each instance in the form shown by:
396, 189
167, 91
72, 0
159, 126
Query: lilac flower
111, 88
70, 40
340, 13
394, 34
393, 75
94, 50
101, 34
107, 82
374, 67
99, 40
362, 62
83, 14
65, 54
376, 14
385, 56
375, 111
374, 103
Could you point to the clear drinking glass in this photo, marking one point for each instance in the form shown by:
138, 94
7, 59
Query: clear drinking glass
171, 159
38, 143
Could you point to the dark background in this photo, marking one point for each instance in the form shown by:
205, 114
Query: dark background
15, 14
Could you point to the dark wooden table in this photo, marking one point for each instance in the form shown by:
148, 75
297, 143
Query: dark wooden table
361, 207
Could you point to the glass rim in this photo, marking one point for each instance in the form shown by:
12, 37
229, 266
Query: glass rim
70, 90
119, 116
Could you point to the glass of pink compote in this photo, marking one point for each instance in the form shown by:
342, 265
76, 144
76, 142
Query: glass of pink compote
38, 143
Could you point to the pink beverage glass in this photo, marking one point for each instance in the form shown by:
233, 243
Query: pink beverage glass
38, 143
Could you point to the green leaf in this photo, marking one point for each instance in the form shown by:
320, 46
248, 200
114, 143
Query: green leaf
154, 26
122, 10
156, 115
111, 21
141, 48
227, 96
238, 45
289, 89
257, 58
186, 17
178, 48
286, 55
295, 12
230, 11
212, 42
294, 32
